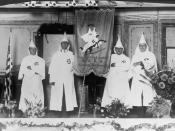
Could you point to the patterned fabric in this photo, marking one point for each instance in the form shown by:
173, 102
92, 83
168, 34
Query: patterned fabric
8, 74
93, 45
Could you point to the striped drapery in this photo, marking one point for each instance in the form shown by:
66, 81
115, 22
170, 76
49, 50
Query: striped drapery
8, 73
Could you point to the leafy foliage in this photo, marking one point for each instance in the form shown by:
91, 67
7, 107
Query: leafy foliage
34, 109
116, 109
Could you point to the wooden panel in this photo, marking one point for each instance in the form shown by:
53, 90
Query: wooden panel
135, 34
4, 37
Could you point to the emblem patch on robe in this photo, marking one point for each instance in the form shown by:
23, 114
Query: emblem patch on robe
123, 61
68, 61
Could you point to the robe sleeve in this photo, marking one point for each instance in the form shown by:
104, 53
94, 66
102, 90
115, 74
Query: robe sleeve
155, 63
112, 60
24, 72
52, 69
127, 65
40, 69
43, 73
131, 69
72, 61
21, 70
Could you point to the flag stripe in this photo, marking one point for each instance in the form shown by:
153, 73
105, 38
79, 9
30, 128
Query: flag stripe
8, 81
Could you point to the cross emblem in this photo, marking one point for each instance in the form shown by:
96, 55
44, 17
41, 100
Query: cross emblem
68, 61
123, 61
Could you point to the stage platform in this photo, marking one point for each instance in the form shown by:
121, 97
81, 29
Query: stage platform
86, 124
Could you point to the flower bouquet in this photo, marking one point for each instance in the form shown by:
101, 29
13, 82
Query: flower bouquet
96, 108
34, 110
116, 109
164, 83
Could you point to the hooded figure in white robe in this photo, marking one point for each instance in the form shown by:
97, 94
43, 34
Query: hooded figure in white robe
62, 77
32, 72
142, 92
117, 85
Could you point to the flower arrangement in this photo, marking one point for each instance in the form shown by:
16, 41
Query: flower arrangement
34, 109
159, 107
8, 108
116, 109
164, 83
96, 108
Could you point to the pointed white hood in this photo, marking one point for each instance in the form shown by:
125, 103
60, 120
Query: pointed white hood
142, 39
32, 45
64, 37
118, 44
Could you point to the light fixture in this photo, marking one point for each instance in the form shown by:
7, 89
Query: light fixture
47, 4
53, 3
27, 4
90, 3
87, 3
33, 3
73, 3
67, 4
94, 3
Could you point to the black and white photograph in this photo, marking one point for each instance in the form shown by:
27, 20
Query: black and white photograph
87, 65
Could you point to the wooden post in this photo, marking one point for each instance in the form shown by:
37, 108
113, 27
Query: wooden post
83, 91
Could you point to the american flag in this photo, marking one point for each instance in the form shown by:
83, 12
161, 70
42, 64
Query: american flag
8, 74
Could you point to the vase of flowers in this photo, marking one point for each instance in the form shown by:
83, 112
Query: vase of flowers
160, 107
164, 83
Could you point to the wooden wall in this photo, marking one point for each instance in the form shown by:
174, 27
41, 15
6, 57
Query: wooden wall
131, 22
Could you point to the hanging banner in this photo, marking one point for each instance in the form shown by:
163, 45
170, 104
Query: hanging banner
93, 41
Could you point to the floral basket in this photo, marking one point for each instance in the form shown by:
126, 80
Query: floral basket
164, 83
159, 107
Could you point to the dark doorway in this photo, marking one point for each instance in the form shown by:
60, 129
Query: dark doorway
96, 86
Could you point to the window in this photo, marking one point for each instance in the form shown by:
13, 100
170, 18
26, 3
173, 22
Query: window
168, 45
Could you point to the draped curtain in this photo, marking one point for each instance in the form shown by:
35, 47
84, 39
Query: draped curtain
98, 60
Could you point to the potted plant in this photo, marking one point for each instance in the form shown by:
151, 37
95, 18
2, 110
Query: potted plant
160, 107
164, 84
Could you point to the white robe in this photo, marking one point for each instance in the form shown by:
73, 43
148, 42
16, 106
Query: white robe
32, 87
138, 87
117, 85
61, 73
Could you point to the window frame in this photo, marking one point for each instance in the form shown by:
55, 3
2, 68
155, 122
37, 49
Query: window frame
164, 47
